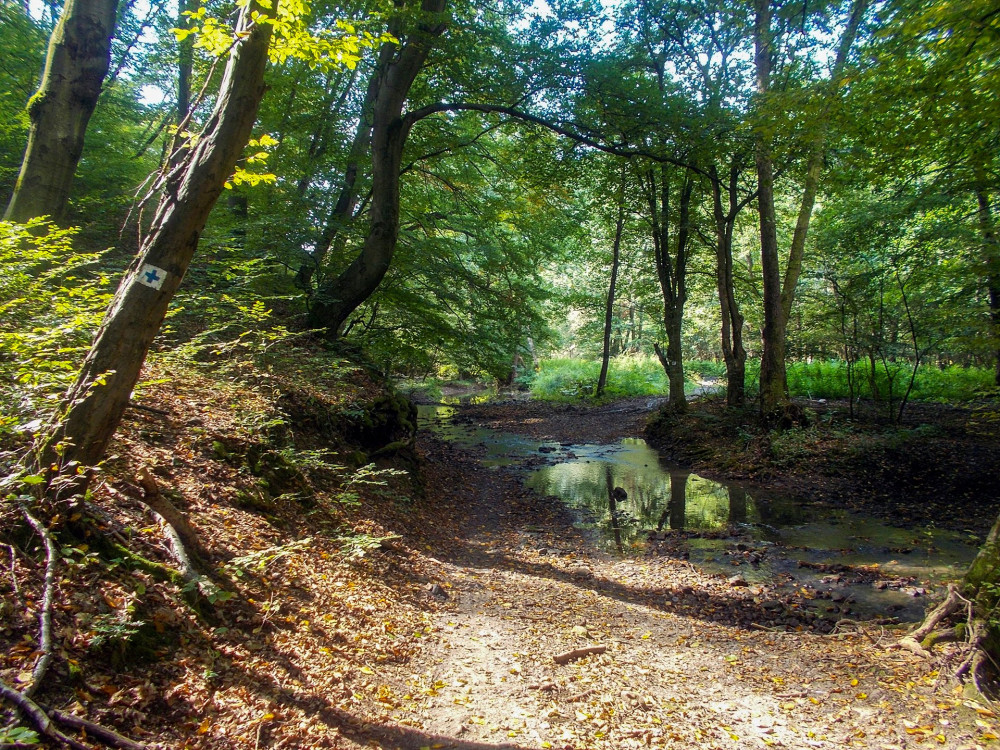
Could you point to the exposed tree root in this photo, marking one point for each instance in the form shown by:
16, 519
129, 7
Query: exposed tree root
45, 616
181, 536
940, 626
38, 717
935, 617
183, 540
105, 735
42, 717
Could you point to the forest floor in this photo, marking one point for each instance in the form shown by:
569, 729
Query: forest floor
462, 611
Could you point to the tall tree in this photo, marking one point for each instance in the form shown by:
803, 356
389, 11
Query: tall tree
609, 307
337, 298
75, 67
778, 296
94, 405
671, 257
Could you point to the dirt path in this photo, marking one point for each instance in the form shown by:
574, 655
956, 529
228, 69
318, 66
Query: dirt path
514, 586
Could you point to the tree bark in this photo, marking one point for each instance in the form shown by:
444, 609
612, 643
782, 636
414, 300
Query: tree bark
335, 300
773, 385
992, 261
733, 353
814, 168
671, 271
609, 307
76, 64
93, 406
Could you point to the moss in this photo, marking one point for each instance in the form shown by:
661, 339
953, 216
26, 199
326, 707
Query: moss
257, 502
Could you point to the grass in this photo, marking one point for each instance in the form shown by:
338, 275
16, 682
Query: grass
828, 379
568, 379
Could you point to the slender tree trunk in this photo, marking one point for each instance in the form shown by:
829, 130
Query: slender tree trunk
337, 299
671, 271
773, 384
992, 257
185, 61
733, 353
75, 67
814, 167
609, 307
93, 407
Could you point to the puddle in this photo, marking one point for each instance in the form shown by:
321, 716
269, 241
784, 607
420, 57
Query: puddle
878, 569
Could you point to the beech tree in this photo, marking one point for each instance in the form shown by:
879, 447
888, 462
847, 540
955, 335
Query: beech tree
337, 298
778, 294
93, 406
76, 64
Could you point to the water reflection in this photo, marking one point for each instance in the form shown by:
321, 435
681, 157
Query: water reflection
623, 492
652, 496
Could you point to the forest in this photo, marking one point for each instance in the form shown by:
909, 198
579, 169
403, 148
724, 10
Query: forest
329, 332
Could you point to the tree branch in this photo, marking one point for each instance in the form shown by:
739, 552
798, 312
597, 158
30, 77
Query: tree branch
614, 149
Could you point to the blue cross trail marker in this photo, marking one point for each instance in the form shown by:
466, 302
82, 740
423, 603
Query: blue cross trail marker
152, 276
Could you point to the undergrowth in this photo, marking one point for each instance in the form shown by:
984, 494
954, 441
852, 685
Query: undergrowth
568, 379
829, 379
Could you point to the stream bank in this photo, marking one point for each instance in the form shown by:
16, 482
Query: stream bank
936, 468
681, 657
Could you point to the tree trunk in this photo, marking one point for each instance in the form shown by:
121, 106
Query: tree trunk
992, 257
814, 168
185, 62
671, 271
773, 384
733, 353
75, 67
337, 299
93, 407
609, 307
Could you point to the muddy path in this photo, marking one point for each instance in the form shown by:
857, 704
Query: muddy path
678, 658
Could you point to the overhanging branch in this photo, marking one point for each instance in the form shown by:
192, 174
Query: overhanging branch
609, 148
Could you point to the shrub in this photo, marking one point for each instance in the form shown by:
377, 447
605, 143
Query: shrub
51, 301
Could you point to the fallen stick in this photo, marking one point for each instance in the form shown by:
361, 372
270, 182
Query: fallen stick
45, 618
38, 717
578, 653
105, 735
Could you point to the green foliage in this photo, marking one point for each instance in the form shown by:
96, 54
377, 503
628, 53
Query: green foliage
355, 545
567, 379
292, 36
829, 380
259, 561
224, 315
23, 43
51, 300
18, 736
367, 476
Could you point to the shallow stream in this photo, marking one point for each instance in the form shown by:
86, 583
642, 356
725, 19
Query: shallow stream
872, 568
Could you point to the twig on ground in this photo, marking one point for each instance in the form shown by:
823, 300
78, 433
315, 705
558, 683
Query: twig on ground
38, 717
578, 653
581, 696
45, 617
151, 409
